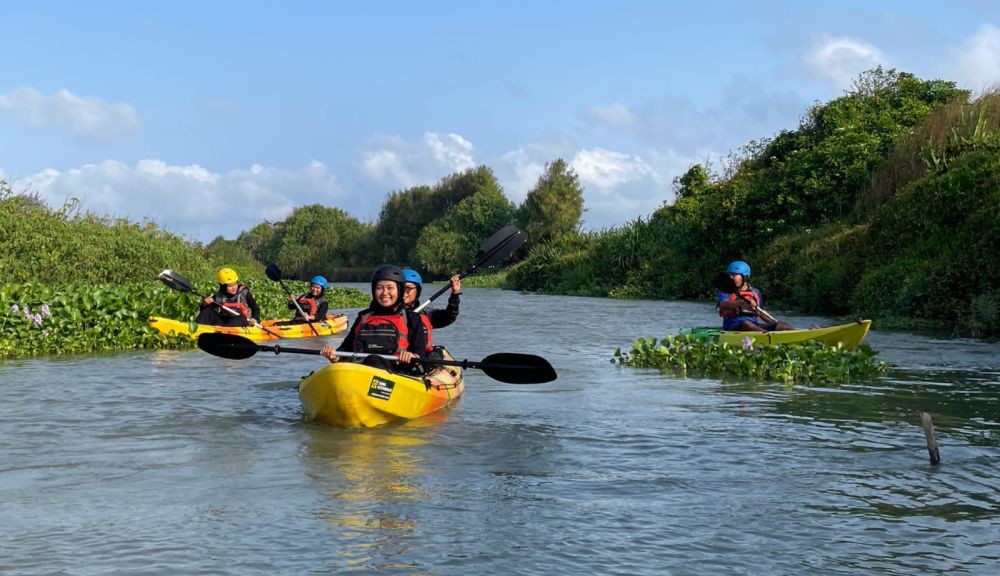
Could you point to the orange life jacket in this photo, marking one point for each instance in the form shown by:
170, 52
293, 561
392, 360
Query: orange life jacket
750, 295
312, 303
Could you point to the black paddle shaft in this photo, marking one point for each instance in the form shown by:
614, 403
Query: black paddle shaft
274, 273
506, 367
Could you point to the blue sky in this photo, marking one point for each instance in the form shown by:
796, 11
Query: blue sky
209, 117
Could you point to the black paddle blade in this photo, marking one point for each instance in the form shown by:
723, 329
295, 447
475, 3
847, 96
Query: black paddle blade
515, 368
227, 345
499, 246
175, 281
273, 272
724, 283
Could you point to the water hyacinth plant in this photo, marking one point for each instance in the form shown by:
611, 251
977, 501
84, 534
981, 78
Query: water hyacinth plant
67, 318
807, 363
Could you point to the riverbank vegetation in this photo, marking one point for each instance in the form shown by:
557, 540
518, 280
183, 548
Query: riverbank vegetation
74, 282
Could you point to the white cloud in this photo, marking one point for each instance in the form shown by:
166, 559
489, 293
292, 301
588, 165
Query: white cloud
606, 169
977, 63
396, 163
519, 169
86, 118
840, 60
190, 200
617, 187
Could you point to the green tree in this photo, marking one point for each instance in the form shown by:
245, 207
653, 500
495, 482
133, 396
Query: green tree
555, 205
405, 214
449, 244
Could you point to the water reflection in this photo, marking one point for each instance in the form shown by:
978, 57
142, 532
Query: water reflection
372, 481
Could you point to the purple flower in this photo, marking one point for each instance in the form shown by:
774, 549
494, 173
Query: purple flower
45, 311
37, 319
15, 308
747, 343
45, 333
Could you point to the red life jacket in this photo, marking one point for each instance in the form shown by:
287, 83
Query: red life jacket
237, 302
750, 295
382, 334
430, 329
312, 303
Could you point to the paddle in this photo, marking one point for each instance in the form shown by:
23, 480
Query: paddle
504, 366
493, 250
177, 282
723, 282
274, 273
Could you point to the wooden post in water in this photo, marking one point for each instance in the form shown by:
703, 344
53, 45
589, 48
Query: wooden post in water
932, 445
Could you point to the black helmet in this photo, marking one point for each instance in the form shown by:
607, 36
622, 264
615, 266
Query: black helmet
393, 273
387, 272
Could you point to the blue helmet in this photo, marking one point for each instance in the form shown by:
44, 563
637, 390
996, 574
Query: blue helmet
319, 280
739, 267
412, 276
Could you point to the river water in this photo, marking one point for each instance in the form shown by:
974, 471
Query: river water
178, 462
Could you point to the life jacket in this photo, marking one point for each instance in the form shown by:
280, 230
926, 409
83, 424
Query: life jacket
312, 303
237, 302
382, 334
426, 319
750, 295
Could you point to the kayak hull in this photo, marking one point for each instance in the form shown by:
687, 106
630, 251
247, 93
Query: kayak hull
352, 395
333, 324
849, 335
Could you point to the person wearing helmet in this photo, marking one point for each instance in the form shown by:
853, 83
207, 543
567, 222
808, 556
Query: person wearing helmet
386, 326
431, 318
231, 305
739, 308
314, 304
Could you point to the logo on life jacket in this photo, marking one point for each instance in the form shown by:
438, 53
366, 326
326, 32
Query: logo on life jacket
382, 334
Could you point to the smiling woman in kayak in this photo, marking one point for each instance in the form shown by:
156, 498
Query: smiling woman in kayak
739, 309
385, 327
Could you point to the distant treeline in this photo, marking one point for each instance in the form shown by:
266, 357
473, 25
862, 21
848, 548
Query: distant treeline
883, 203
434, 229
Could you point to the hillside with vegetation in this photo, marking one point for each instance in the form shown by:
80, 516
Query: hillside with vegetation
883, 203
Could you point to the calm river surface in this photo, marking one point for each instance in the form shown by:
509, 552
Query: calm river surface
174, 462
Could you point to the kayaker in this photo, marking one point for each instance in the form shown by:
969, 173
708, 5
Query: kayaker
431, 318
314, 304
739, 310
233, 296
386, 326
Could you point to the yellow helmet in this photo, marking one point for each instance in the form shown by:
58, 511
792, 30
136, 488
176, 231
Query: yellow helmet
227, 276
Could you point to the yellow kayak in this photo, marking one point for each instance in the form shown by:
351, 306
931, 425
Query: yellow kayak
850, 335
334, 323
352, 395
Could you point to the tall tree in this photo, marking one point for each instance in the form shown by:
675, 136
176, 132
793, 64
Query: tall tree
555, 205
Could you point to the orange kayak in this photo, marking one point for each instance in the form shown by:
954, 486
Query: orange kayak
333, 324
